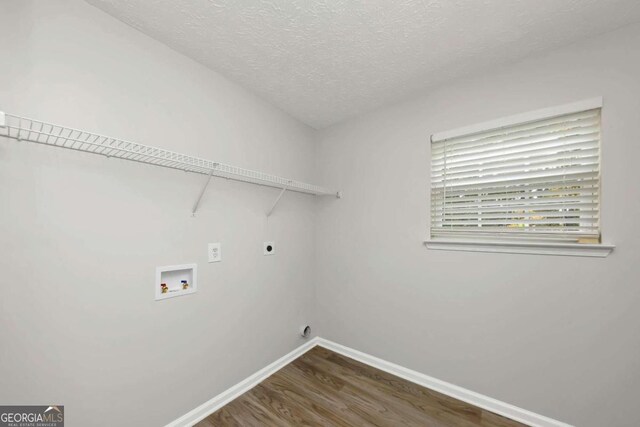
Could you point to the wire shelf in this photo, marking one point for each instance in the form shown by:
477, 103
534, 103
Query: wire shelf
26, 129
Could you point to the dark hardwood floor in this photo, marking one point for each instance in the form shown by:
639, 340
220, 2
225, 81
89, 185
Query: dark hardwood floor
322, 388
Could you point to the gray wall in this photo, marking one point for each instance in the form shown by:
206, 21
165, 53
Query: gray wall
81, 235
555, 335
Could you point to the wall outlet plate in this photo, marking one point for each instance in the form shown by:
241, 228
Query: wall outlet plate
214, 252
269, 248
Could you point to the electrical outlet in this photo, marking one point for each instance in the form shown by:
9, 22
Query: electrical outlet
269, 248
215, 254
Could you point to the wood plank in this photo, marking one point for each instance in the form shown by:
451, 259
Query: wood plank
323, 388
489, 419
287, 410
361, 402
444, 407
416, 411
331, 410
345, 407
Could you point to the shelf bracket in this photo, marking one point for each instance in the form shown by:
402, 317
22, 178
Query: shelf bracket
197, 203
276, 202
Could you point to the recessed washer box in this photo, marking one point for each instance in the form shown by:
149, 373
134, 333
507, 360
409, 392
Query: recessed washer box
172, 276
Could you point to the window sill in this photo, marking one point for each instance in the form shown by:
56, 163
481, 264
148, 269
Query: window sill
561, 249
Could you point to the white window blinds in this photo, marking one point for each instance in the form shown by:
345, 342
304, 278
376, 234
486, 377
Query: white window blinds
535, 180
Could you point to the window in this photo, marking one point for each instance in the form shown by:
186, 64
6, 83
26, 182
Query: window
529, 178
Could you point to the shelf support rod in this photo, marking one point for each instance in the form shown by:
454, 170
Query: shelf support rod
276, 202
197, 203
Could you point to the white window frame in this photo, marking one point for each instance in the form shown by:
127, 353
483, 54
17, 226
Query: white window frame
521, 247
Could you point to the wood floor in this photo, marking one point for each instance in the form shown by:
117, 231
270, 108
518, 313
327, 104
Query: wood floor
323, 388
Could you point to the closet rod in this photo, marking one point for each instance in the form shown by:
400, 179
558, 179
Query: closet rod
31, 130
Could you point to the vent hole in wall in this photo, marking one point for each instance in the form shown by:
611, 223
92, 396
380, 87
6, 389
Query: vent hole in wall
305, 331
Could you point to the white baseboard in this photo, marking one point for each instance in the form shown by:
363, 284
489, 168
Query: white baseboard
476, 399
209, 407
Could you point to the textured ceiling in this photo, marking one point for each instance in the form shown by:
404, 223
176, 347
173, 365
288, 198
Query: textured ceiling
326, 60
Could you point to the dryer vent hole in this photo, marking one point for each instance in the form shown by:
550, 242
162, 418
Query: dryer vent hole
305, 331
